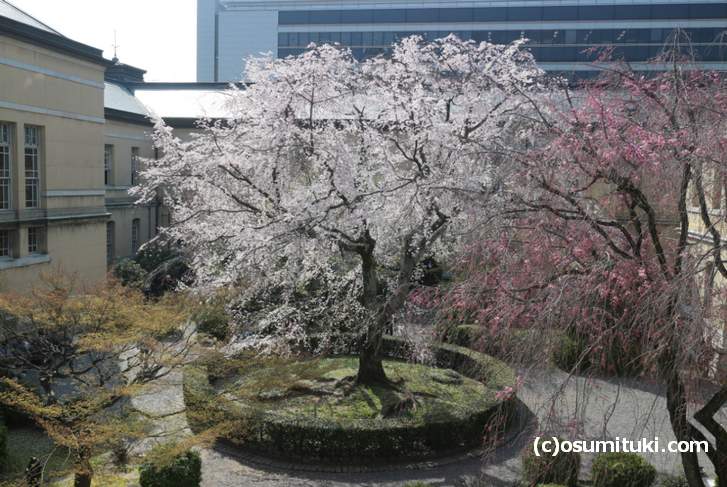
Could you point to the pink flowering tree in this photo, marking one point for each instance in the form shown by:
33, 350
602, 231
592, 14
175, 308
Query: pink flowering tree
614, 232
369, 164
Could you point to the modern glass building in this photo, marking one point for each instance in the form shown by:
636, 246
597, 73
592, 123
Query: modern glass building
561, 33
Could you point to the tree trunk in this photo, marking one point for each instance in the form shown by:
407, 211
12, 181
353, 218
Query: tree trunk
676, 404
370, 365
84, 472
82, 479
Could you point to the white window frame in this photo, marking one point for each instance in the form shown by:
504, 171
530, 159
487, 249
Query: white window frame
32, 166
6, 166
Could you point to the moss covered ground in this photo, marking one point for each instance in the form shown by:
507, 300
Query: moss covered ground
324, 389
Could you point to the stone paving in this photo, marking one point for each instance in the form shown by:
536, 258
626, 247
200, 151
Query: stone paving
587, 408
596, 408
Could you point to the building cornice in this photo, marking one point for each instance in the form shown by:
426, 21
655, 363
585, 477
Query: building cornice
128, 117
54, 42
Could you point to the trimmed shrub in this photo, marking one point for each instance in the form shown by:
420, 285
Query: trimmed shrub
620, 357
321, 439
184, 470
212, 319
674, 481
568, 354
464, 335
622, 470
130, 273
561, 469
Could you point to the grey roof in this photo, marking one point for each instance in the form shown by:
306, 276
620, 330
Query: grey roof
186, 103
119, 98
14, 13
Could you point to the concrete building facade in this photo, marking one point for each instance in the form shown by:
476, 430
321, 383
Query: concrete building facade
560, 31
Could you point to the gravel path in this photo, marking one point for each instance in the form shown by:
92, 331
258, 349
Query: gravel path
581, 408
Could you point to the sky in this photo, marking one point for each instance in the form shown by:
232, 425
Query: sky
156, 35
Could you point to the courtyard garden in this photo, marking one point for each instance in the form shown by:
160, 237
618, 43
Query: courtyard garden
388, 270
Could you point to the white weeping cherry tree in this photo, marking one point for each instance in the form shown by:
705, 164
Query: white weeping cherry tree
323, 155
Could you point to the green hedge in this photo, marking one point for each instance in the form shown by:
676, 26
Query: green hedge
562, 469
212, 319
622, 470
674, 481
464, 335
315, 439
184, 470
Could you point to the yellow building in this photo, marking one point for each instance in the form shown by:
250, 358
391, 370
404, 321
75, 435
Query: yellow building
52, 197
127, 141
72, 136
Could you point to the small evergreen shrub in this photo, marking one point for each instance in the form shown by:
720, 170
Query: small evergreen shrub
464, 335
184, 470
130, 273
622, 470
561, 469
674, 481
568, 354
212, 319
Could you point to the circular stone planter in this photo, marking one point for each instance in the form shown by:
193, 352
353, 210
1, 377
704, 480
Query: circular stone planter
333, 438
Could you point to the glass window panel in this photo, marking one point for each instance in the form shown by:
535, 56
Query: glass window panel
324, 37
570, 36
368, 38
346, 38
325, 17
294, 17
525, 13
455, 15
656, 35
560, 13
533, 35
632, 12
365, 16
36, 240
708, 10
356, 38
670, 11
135, 235
6, 244
5, 166
389, 15
108, 164
596, 12
32, 167
422, 15
489, 14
